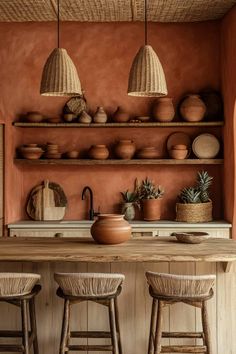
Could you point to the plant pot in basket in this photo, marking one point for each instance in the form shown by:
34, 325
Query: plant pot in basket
191, 213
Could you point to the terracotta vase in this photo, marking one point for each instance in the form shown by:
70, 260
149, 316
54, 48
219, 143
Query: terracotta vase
85, 118
125, 149
98, 152
151, 209
111, 229
192, 108
120, 116
128, 209
100, 116
214, 104
163, 109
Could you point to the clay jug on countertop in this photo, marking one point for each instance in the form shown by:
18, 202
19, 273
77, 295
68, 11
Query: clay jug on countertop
125, 149
120, 116
163, 109
192, 108
111, 229
100, 115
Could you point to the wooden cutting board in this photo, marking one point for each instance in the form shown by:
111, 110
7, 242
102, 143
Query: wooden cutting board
46, 201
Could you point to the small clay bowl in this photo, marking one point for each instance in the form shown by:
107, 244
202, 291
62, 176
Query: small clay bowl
179, 147
30, 153
69, 117
178, 154
34, 117
72, 154
148, 153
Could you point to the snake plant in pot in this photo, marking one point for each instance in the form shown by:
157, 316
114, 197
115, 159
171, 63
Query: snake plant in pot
150, 197
194, 203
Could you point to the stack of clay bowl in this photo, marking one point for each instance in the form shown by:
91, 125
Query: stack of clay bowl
52, 151
31, 151
179, 152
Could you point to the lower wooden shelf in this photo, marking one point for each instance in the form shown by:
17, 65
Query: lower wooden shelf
120, 162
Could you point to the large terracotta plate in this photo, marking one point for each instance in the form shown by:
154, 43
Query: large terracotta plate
206, 146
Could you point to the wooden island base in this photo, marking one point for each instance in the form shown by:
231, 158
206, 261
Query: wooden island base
134, 302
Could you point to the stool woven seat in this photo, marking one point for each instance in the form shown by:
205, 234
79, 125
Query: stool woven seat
17, 284
180, 285
89, 284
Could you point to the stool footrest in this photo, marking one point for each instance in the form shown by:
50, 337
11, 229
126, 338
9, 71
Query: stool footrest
11, 348
182, 334
82, 348
183, 349
90, 334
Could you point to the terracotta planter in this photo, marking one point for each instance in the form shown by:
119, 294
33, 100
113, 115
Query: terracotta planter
120, 116
192, 108
151, 209
163, 110
125, 149
98, 152
111, 229
100, 116
128, 209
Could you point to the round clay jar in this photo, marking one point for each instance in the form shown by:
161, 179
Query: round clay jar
111, 229
163, 109
125, 149
120, 116
98, 152
192, 108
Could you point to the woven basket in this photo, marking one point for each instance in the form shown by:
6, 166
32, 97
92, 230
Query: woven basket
200, 212
15, 284
89, 284
180, 285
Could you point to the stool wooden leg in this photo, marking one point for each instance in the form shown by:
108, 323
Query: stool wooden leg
157, 341
152, 326
25, 329
206, 328
33, 325
113, 327
65, 327
118, 326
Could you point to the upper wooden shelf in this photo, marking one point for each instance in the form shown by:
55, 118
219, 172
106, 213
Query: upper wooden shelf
118, 125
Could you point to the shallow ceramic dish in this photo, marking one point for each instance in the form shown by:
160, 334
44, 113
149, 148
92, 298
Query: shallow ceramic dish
206, 146
191, 237
148, 153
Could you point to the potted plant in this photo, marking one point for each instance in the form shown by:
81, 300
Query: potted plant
150, 196
195, 204
128, 206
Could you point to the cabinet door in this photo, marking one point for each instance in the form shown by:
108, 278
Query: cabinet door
48, 233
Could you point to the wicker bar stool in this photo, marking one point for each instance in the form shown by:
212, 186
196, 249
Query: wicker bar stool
101, 288
168, 289
20, 289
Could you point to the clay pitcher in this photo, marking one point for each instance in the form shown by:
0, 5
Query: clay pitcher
163, 110
125, 149
192, 108
100, 116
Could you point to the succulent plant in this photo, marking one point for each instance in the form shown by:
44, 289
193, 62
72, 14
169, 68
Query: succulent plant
148, 190
199, 193
190, 195
129, 197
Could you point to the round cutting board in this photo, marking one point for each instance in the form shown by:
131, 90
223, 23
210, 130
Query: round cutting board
206, 146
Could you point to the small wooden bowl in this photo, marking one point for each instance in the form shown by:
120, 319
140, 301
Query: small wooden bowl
34, 117
191, 237
72, 154
178, 154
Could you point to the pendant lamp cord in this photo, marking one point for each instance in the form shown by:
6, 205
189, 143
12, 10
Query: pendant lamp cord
145, 20
58, 23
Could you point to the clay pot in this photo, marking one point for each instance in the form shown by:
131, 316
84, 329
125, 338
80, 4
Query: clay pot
151, 209
125, 149
128, 209
98, 152
149, 152
163, 109
100, 116
85, 118
111, 229
74, 154
34, 117
69, 117
214, 104
192, 108
120, 116
178, 154
30, 153
179, 147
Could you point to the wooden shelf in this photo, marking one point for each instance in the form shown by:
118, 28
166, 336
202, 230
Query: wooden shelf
120, 162
118, 125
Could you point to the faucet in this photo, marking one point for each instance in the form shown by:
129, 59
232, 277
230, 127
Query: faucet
92, 213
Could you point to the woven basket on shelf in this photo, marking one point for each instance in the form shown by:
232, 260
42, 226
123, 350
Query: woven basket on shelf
180, 285
15, 284
200, 212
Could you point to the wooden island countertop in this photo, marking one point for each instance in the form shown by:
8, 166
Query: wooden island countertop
141, 249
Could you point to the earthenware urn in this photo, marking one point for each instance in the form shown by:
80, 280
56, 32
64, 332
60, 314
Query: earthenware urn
125, 149
192, 108
163, 109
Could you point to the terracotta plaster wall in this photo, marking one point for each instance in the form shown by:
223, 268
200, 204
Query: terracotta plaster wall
103, 54
228, 65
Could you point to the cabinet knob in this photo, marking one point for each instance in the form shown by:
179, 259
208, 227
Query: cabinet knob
58, 234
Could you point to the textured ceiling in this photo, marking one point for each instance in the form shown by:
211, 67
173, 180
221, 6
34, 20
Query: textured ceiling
114, 10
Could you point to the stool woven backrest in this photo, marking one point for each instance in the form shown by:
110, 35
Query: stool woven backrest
180, 285
16, 284
89, 284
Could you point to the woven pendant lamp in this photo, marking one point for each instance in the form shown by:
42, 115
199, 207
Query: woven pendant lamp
60, 77
146, 77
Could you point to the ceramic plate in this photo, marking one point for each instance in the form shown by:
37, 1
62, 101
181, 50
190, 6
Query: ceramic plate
206, 146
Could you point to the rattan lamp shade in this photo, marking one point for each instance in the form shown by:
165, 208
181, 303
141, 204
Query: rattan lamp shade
146, 77
60, 77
